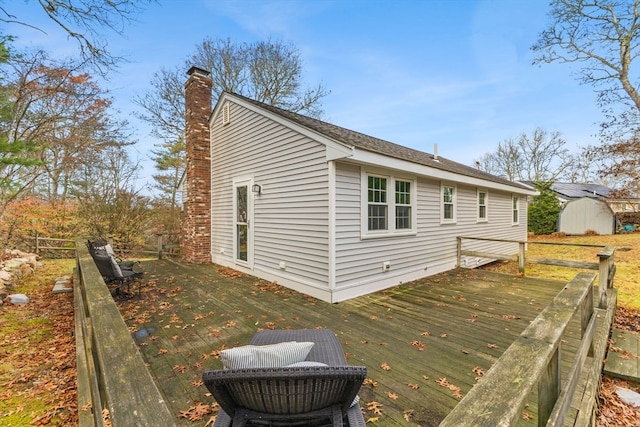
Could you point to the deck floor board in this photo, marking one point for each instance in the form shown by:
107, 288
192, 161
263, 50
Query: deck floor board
446, 329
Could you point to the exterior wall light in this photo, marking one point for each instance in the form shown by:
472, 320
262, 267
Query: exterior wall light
256, 188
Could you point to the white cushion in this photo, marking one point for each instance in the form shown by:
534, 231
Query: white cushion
305, 363
265, 356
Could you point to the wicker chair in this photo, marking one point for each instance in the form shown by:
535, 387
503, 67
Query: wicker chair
291, 396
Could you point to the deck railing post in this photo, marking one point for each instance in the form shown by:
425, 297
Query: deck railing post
459, 251
159, 245
521, 260
587, 312
549, 388
606, 271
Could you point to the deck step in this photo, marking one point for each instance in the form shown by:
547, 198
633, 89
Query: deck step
623, 359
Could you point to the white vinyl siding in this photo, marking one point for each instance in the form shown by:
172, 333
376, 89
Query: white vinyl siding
290, 229
431, 250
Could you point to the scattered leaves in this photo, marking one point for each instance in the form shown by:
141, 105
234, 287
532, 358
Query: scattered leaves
198, 411
385, 366
369, 381
419, 344
375, 407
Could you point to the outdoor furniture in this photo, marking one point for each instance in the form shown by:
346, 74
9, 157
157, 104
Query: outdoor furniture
320, 391
116, 275
102, 245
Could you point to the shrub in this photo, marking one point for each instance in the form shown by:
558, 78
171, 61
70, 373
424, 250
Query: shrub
544, 211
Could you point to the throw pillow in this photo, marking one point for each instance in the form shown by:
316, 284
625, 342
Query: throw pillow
265, 356
117, 272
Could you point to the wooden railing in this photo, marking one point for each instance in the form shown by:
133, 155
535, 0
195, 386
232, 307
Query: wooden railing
114, 383
39, 244
157, 244
605, 266
534, 359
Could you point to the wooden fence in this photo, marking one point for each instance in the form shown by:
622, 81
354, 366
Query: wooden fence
114, 384
39, 244
159, 245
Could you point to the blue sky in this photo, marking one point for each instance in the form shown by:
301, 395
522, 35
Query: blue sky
456, 73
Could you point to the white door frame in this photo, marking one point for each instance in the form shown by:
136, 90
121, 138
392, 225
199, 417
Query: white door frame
243, 222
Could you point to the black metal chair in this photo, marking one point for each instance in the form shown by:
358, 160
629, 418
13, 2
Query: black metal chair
117, 277
291, 396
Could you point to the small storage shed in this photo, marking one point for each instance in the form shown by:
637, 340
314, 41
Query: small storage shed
586, 213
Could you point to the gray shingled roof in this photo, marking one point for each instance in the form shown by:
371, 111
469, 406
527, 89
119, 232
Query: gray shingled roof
376, 145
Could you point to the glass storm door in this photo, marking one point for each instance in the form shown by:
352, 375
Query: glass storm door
242, 222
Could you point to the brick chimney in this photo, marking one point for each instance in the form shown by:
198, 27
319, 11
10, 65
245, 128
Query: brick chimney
196, 215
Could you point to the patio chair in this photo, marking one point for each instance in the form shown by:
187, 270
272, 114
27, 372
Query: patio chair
320, 391
117, 278
103, 245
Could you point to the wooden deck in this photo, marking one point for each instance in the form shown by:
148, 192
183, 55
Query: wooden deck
425, 344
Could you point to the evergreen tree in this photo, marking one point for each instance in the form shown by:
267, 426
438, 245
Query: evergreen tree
544, 210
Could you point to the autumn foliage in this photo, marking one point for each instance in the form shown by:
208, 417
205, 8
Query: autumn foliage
33, 216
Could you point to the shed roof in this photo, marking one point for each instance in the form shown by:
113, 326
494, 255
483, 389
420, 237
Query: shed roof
571, 190
380, 146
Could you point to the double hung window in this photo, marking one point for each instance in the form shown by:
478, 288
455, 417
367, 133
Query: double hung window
482, 205
516, 210
389, 205
448, 199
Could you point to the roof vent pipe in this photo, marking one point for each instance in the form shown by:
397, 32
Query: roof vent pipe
435, 152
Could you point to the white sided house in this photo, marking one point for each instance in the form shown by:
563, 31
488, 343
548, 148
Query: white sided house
325, 210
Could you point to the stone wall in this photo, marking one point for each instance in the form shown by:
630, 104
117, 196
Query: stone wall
14, 265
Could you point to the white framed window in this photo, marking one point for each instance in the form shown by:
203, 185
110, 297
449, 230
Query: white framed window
515, 203
404, 217
448, 204
483, 205
388, 205
377, 204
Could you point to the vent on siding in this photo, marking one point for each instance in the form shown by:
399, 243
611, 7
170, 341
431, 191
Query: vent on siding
226, 116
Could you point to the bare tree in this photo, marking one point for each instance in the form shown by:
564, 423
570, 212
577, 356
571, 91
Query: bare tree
227, 62
540, 156
268, 71
602, 36
275, 71
85, 21
110, 205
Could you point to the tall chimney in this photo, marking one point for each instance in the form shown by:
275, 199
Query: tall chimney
195, 246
